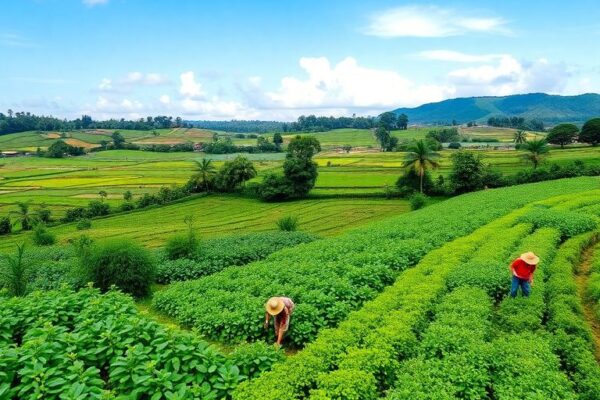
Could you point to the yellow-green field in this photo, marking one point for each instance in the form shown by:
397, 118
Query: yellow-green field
219, 215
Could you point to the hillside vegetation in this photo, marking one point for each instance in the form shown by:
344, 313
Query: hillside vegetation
550, 109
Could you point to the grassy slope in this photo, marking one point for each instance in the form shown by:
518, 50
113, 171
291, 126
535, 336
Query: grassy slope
223, 215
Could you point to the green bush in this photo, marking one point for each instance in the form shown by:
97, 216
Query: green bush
42, 236
288, 223
494, 277
216, 254
124, 264
74, 345
568, 222
181, 246
417, 201
14, 273
255, 358
5, 226
347, 385
83, 224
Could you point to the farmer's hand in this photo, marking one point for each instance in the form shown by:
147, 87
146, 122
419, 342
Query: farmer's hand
266, 325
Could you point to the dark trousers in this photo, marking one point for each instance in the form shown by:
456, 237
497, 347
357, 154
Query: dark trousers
523, 284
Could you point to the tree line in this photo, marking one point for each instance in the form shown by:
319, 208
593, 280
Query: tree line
13, 122
517, 123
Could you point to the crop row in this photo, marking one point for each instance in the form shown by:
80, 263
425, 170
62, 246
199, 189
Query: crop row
358, 356
216, 254
84, 345
328, 279
572, 336
593, 284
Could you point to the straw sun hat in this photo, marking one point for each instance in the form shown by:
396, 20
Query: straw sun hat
530, 258
274, 306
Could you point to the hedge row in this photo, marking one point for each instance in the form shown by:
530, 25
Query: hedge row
327, 279
572, 336
524, 364
454, 357
216, 254
367, 344
569, 223
84, 345
593, 284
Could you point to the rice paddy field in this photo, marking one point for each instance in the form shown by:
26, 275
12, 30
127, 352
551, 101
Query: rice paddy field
220, 215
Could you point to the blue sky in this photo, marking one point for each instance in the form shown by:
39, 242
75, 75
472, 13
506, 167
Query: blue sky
279, 59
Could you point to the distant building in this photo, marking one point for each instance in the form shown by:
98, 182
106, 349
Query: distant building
10, 153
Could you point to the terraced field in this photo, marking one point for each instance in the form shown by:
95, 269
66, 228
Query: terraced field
414, 306
224, 215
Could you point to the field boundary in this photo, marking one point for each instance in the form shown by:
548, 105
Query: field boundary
582, 274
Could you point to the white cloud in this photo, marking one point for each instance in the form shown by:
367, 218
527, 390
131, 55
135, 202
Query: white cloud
431, 21
164, 99
455, 56
8, 39
92, 3
189, 87
105, 85
349, 86
109, 106
133, 80
510, 76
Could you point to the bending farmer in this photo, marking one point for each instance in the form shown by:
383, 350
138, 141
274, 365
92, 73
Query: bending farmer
522, 270
281, 308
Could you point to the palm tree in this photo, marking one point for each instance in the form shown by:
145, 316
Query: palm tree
24, 216
421, 158
206, 170
15, 273
536, 148
520, 137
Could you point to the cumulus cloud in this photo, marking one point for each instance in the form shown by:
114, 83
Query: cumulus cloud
456, 56
431, 21
349, 86
92, 3
510, 76
189, 88
164, 99
131, 81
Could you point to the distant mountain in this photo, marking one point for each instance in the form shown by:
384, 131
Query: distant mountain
551, 109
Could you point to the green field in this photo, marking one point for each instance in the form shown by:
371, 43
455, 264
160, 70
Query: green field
223, 215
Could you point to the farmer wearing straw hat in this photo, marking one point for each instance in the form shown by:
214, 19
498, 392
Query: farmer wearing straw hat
281, 308
522, 270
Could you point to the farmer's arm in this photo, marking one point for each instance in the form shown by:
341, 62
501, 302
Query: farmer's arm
280, 336
267, 319
531, 276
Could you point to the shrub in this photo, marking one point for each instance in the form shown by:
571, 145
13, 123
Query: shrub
42, 236
274, 188
216, 254
5, 226
255, 358
97, 208
454, 145
181, 246
288, 223
74, 345
83, 224
127, 206
14, 273
567, 222
122, 263
417, 201
493, 277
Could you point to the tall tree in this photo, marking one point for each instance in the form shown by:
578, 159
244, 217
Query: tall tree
590, 132
299, 168
278, 139
118, 140
388, 120
402, 121
519, 137
24, 216
562, 134
206, 171
421, 158
536, 150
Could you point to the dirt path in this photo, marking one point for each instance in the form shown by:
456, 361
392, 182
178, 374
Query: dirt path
588, 307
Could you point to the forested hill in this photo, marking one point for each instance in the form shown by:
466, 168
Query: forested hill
550, 109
